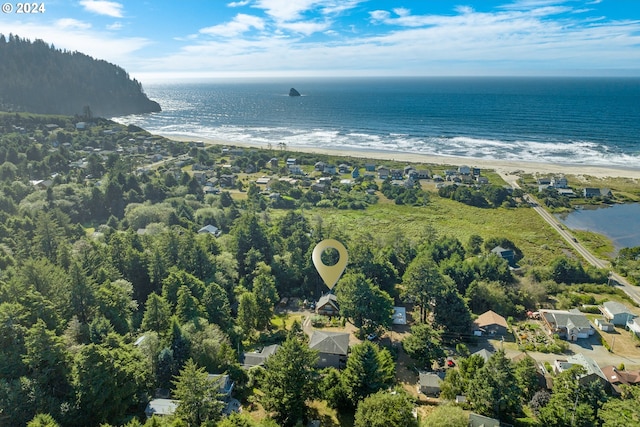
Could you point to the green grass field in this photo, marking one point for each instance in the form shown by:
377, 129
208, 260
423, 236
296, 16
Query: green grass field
538, 241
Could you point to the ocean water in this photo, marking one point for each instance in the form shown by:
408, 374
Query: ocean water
620, 223
590, 121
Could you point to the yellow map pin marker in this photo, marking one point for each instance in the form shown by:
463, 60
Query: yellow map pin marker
330, 273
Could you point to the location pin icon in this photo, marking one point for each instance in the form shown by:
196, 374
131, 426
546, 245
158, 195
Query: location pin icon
330, 273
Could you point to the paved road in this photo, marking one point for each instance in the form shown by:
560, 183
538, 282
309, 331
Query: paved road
629, 289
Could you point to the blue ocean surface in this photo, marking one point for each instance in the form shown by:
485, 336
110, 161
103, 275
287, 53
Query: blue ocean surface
589, 121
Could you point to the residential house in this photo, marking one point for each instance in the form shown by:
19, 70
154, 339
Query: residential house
263, 180
604, 325
477, 420
588, 193
329, 169
211, 229
634, 326
409, 183
200, 177
591, 368
491, 323
225, 384
327, 305
41, 184
383, 172
332, 348
399, 316
507, 254
566, 192
570, 325
429, 383
227, 180
258, 357
319, 166
559, 182
343, 168
291, 161
544, 181
464, 170
545, 380
295, 169
370, 167
617, 313
484, 353
274, 163
161, 407
617, 378
483, 180
423, 174
355, 173
396, 174
319, 188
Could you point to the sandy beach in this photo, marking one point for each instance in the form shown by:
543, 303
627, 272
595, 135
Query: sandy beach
503, 167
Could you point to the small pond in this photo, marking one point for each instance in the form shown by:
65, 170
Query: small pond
620, 223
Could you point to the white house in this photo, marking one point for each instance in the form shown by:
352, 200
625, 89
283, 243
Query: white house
617, 313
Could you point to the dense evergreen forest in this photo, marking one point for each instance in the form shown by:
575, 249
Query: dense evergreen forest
39, 78
112, 293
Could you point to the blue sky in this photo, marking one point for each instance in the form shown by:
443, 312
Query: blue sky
156, 40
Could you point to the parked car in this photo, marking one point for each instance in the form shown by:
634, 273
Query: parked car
451, 363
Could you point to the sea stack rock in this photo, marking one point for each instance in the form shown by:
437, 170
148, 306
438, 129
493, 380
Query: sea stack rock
293, 92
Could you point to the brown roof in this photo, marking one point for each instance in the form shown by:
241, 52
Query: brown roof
617, 377
490, 318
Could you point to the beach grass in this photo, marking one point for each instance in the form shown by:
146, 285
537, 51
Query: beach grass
597, 244
446, 217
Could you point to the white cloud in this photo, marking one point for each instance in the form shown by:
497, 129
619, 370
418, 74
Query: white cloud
379, 15
339, 6
103, 7
306, 27
115, 26
66, 34
466, 42
70, 23
241, 23
238, 3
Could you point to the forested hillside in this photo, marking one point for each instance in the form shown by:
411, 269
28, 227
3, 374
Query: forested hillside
38, 78
133, 267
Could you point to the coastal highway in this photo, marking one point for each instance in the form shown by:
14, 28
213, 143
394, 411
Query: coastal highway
629, 289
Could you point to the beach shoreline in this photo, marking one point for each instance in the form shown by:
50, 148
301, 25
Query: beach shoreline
503, 167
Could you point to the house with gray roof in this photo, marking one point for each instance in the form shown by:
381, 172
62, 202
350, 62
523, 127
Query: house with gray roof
332, 348
258, 357
617, 313
592, 371
429, 383
477, 420
327, 305
161, 407
506, 254
484, 353
211, 229
570, 325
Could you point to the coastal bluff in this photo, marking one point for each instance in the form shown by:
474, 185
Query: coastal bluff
38, 78
293, 92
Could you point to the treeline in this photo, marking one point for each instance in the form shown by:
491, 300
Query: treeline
39, 78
